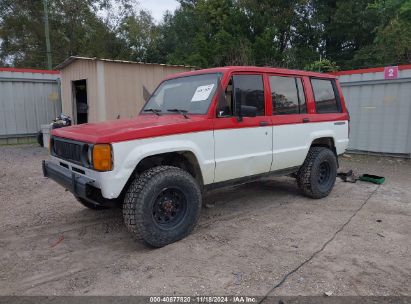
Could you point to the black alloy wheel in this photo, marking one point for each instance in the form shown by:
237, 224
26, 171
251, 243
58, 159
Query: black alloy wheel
169, 208
324, 173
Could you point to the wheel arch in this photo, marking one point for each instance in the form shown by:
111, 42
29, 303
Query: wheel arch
326, 142
184, 159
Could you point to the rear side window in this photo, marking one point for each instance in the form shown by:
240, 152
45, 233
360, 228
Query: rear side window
287, 95
249, 91
326, 101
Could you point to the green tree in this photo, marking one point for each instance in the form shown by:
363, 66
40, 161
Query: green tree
140, 35
346, 27
322, 65
392, 42
271, 28
75, 29
207, 33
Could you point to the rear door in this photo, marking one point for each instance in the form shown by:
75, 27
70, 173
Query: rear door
330, 113
290, 119
242, 147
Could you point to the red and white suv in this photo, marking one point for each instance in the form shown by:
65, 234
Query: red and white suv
202, 130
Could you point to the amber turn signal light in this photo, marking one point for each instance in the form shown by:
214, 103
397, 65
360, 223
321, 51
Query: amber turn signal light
102, 160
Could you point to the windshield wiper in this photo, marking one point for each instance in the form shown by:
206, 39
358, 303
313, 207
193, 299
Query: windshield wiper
182, 112
155, 111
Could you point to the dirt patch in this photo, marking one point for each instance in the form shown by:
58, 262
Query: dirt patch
254, 238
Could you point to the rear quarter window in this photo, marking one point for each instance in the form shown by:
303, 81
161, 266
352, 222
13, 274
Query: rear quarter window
326, 99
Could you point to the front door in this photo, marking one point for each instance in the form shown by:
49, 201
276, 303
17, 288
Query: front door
243, 147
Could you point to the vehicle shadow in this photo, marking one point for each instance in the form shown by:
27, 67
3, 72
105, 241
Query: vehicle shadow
221, 205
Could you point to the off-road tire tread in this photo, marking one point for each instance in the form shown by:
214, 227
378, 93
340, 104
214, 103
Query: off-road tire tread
133, 213
305, 172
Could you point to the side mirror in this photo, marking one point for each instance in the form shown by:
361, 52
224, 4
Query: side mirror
248, 111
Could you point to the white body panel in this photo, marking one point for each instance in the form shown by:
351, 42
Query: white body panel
222, 154
292, 142
242, 152
128, 154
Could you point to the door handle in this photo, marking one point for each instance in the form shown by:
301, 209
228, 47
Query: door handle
263, 123
305, 120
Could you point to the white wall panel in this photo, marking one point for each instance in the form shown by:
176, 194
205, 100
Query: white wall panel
380, 112
27, 100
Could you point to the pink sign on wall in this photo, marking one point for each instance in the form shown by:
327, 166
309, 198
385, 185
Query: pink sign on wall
391, 72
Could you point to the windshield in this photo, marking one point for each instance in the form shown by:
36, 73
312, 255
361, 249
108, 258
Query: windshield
191, 94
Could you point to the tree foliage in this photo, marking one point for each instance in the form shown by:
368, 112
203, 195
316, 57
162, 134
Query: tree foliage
206, 33
322, 65
75, 27
392, 42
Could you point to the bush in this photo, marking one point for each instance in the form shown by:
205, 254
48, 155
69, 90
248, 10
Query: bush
322, 65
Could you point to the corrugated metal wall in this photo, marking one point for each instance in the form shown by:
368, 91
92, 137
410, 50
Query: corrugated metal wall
27, 100
380, 111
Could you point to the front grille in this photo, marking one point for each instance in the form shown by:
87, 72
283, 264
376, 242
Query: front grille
68, 150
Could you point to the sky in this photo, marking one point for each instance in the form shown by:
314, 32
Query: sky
158, 7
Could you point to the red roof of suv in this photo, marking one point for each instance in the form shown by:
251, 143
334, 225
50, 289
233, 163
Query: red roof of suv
255, 70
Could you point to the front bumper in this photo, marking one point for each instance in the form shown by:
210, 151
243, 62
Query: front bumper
77, 184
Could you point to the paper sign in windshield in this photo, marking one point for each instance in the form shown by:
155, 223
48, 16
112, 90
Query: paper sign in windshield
202, 93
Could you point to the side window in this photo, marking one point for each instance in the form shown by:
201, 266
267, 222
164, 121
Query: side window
249, 91
226, 102
326, 100
287, 95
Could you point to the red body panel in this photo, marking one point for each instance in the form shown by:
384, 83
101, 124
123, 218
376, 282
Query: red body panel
143, 126
252, 69
150, 125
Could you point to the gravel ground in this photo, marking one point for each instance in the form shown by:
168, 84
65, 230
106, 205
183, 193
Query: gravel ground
258, 239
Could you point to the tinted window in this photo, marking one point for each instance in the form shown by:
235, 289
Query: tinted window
249, 91
287, 95
325, 98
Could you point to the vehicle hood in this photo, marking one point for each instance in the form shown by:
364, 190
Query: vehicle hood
143, 126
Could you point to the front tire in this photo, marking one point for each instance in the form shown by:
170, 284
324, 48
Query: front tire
316, 177
162, 205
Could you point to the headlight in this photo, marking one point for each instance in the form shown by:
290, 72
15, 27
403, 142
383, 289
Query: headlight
89, 159
102, 157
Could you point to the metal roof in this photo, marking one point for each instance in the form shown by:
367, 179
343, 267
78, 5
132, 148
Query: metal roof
18, 70
370, 70
71, 59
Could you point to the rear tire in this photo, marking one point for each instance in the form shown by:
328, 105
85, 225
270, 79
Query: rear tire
162, 205
316, 177
90, 205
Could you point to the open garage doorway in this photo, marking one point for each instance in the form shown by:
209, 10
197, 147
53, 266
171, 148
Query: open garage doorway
80, 101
